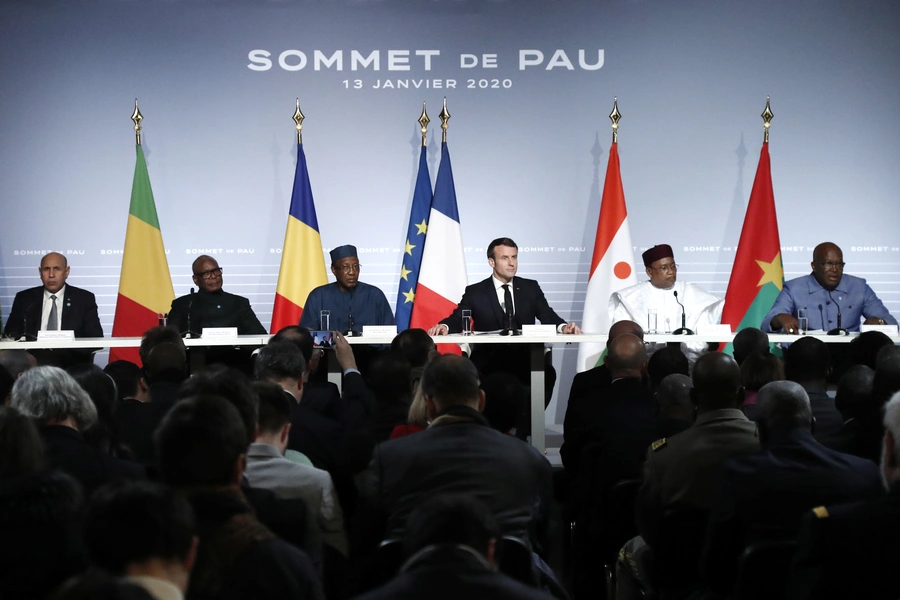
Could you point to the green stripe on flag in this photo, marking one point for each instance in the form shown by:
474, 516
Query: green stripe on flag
757, 311
142, 205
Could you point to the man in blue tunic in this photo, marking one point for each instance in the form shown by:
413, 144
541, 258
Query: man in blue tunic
352, 303
832, 300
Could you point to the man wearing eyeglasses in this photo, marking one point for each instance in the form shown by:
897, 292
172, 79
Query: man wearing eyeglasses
665, 295
351, 302
824, 294
212, 306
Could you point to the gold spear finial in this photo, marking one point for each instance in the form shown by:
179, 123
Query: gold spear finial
614, 116
137, 117
424, 121
767, 117
298, 119
445, 116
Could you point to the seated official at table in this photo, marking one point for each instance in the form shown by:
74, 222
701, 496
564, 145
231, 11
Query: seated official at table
212, 306
352, 303
828, 296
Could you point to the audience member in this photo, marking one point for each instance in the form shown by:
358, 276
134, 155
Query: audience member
155, 336
452, 550
808, 362
63, 412
201, 447
144, 532
864, 349
757, 370
853, 397
666, 361
128, 378
763, 496
504, 399
674, 409
747, 341
862, 432
39, 512
101, 388
887, 378
6, 384
416, 346
97, 585
459, 452
850, 550
16, 362
416, 418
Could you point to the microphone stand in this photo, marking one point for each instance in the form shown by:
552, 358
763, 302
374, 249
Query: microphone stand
837, 330
683, 330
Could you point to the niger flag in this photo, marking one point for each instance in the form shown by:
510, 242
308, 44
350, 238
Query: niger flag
758, 274
145, 285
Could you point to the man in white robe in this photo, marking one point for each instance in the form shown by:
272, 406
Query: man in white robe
634, 303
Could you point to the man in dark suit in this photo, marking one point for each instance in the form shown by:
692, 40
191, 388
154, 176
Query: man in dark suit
808, 362
763, 496
55, 306
458, 453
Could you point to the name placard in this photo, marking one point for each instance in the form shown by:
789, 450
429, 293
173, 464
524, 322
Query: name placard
538, 330
62, 334
219, 332
714, 329
379, 330
885, 329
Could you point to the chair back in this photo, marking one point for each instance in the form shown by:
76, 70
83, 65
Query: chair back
516, 560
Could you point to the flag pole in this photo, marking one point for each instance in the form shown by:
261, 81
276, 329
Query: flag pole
767, 117
137, 117
298, 119
445, 116
614, 116
424, 121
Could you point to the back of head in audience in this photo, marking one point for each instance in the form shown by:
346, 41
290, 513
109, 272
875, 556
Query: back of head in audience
297, 335
16, 362
717, 382
141, 529
21, 449
274, 414
624, 328
667, 361
504, 397
626, 356
166, 362
6, 384
781, 407
854, 392
50, 396
758, 369
155, 336
97, 585
415, 345
890, 458
451, 380
202, 441
673, 398
747, 341
885, 353
231, 385
452, 519
99, 386
864, 349
127, 377
282, 363
389, 378
807, 361
887, 379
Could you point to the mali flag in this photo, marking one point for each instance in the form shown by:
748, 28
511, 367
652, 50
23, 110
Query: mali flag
758, 274
145, 285
302, 261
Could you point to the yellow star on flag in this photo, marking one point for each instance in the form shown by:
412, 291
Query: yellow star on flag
772, 272
410, 296
422, 227
404, 272
409, 248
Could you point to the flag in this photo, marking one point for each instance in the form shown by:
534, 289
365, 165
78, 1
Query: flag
612, 264
145, 284
442, 278
415, 244
758, 274
302, 261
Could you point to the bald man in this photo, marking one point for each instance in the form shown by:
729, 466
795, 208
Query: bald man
54, 305
826, 293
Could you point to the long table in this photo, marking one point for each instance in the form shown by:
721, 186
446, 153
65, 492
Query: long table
537, 350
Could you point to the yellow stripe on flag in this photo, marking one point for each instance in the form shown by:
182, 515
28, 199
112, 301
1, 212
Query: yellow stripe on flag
306, 269
145, 275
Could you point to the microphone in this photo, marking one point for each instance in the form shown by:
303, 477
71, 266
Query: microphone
837, 330
24, 336
683, 330
188, 334
350, 325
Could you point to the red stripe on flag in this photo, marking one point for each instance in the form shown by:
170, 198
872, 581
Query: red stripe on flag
612, 208
430, 308
284, 313
132, 320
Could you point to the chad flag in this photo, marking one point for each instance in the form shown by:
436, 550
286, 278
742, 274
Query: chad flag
302, 262
145, 285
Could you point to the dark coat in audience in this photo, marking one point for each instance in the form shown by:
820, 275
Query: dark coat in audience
138, 420
586, 388
763, 496
442, 573
351, 407
40, 535
849, 551
67, 451
286, 517
360, 444
828, 419
458, 453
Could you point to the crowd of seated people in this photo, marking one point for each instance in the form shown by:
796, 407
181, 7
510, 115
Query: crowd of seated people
170, 480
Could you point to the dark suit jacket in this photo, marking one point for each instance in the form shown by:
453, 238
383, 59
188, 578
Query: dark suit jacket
764, 495
67, 451
79, 313
481, 299
219, 309
138, 420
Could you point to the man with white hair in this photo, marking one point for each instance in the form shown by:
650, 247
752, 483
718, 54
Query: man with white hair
63, 411
852, 550
763, 496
